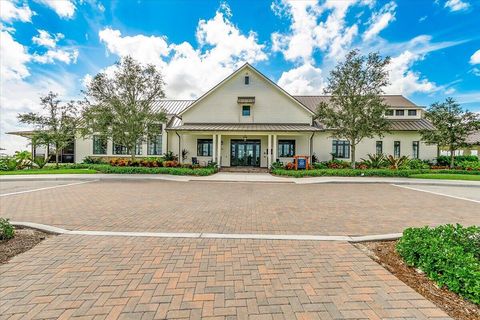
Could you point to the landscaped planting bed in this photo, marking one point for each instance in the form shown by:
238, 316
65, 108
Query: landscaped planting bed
179, 171
366, 172
15, 241
442, 264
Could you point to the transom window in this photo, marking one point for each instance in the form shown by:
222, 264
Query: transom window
204, 147
286, 148
246, 111
99, 145
399, 112
396, 149
412, 112
154, 145
341, 149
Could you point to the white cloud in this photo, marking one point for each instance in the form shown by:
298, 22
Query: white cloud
14, 58
10, 12
305, 79
44, 38
65, 56
404, 80
380, 20
190, 71
64, 8
475, 58
457, 5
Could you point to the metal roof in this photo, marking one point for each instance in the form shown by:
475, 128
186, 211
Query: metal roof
410, 125
171, 107
245, 127
396, 101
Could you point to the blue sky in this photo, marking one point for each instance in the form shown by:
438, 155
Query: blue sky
58, 45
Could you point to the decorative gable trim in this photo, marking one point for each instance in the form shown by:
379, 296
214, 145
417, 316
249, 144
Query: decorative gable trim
261, 75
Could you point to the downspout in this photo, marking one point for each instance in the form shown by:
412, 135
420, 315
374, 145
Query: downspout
179, 147
311, 146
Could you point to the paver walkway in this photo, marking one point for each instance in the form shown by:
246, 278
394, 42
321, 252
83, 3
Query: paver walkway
136, 278
165, 206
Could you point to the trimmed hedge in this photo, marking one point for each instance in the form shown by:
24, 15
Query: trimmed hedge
105, 168
449, 255
366, 172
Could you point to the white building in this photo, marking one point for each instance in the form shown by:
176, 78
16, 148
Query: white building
247, 115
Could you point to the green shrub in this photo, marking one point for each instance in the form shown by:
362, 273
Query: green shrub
449, 255
41, 162
7, 231
277, 165
375, 161
93, 160
105, 168
469, 165
337, 164
445, 160
367, 172
416, 164
320, 165
8, 163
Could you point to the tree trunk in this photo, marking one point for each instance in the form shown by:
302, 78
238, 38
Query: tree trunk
452, 157
353, 156
56, 155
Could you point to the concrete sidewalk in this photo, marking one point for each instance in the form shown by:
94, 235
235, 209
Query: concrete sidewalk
238, 177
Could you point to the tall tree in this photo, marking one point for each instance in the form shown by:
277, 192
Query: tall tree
121, 107
356, 109
56, 126
452, 125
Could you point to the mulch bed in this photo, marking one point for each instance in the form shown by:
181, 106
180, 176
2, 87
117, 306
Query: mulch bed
24, 240
455, 306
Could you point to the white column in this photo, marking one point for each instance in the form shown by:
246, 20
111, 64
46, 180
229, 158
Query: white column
269, 153
275, 152
214, 148
219, 150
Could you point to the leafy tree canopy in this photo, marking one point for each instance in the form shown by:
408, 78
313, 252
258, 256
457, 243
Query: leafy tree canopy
121, 107
452, 125
356, 109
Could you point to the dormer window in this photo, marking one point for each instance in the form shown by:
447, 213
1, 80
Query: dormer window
247, 80
246, 111
412, 112
399, 112
389, 112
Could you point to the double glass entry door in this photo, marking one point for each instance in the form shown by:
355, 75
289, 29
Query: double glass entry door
245, 153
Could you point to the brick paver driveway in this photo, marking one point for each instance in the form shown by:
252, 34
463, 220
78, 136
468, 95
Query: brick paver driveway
93, 277
161, 206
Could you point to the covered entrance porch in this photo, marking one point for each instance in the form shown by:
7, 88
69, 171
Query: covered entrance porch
249, 146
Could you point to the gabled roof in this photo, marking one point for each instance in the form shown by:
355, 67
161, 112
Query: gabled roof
396, 101
261, 75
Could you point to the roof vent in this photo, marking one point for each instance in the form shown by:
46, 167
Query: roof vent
246, 100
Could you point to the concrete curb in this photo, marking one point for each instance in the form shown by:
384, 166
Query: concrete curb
201, 235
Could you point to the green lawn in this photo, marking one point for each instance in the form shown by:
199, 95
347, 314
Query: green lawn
48, 171
446, 176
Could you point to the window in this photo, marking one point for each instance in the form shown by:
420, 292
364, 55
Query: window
379, 147
99, 145
416, 149
396, 149
246, 111
286, 148
247, 80
119, 149
204, 147
412, 112
341, 149
123, 150
154, 145
389, 112
399, 112
138, 147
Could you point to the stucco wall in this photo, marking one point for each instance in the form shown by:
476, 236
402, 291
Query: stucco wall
271, 105
322, 146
